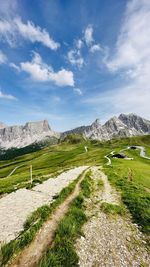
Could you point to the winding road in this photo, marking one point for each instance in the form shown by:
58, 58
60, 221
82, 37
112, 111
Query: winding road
141, 148
142, 152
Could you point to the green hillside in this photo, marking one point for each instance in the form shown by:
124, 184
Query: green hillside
70, 153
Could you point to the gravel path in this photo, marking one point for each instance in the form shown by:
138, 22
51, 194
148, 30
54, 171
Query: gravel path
32, 254
17, 206
109, 241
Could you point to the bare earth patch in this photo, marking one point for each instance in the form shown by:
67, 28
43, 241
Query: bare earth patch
109, 241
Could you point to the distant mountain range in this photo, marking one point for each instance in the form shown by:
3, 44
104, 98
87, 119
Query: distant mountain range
31, 132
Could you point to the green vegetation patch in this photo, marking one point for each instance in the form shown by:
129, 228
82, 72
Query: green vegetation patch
134, 196
86, 185
62, 253
73, 138
100, 184
48, 161
113, 209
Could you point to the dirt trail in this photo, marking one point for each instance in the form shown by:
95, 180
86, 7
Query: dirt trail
31, 255
109, 241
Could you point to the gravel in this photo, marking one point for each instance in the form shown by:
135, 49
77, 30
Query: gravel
109, 241
17, 206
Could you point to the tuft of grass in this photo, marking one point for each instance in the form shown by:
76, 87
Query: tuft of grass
63, 252
113, 209
6, 252
86, 185
100, 184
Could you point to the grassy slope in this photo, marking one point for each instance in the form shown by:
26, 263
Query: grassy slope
55, 158
135, 193
49, 161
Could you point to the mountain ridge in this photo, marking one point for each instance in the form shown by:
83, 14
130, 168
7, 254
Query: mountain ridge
121, 126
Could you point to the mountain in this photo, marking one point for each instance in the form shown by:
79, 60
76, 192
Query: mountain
21, 136
34, 132
122, 126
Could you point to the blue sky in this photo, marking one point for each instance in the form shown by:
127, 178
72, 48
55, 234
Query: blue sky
72, 61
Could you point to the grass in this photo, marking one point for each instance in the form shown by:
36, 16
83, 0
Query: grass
48, 161
113, 209
86, 185
53, 159
100, 184
62, 253
33, 224
134, 197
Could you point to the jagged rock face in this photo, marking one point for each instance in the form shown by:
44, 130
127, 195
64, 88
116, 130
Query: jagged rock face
122, 126
20, 136
135, 122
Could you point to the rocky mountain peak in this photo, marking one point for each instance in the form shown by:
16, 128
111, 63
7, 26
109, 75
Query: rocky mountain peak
96, 123
20, 136
134, 121
39, 126
122, 126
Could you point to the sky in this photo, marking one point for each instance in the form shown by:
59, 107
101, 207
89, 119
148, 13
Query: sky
72, 61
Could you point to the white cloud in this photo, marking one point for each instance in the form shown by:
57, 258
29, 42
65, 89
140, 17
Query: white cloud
79, 43
75, 58
133, 45
3, 58
7, 96
128, 99
88, 35
39, 71
78, 91
94, 48
14, 66
11, 30
132, 61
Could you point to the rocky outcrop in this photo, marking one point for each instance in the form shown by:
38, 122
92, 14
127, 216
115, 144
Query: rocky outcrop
122, 126
21, 136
